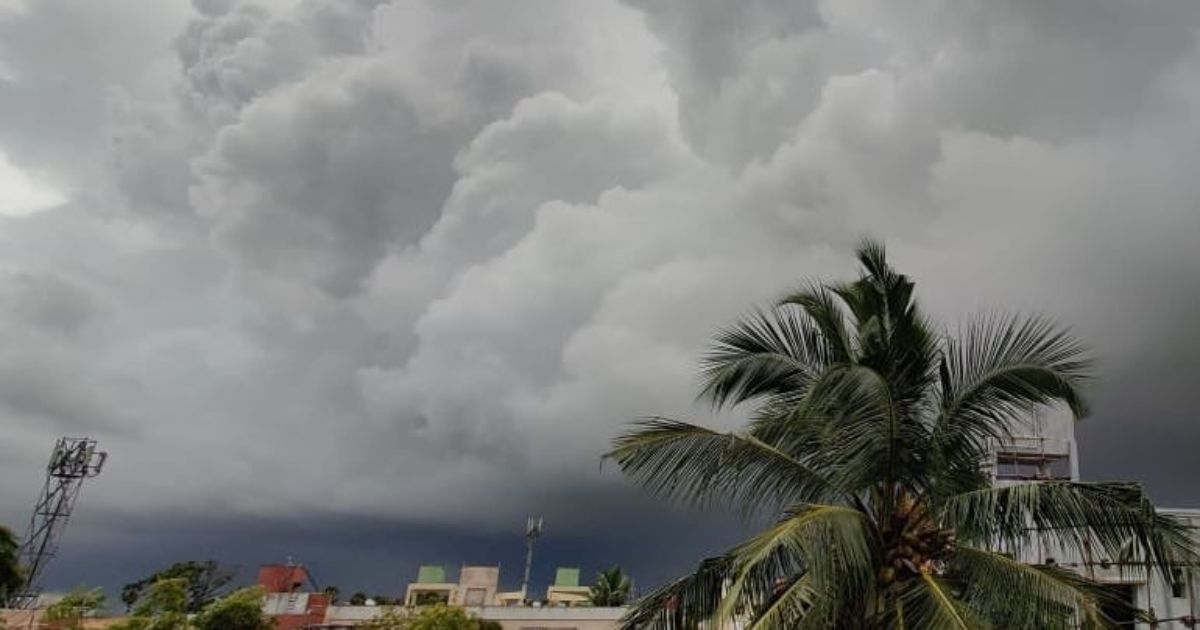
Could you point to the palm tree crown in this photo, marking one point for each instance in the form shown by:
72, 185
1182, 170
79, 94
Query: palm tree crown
870, 434
612, 588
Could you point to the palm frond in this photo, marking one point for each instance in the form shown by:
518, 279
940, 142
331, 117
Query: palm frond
872, 255
833, 546
1075, 516
819, 304
698, 466
996, 372
683, 603
1030, 596
891, 334
931, 603
768, 354
790, 606
848, 426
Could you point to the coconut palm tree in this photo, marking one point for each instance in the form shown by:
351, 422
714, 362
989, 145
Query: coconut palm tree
612, 588
869, 436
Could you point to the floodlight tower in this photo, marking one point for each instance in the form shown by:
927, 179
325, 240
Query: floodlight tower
533, 529
71, 462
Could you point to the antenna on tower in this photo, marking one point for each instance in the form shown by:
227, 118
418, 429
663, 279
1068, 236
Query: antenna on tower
533, 529
71, 461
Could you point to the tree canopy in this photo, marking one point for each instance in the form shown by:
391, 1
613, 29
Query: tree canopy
69, 612
164, 607
612, 588
204, 582
240, 610
12, 578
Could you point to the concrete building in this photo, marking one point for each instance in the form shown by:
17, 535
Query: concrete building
476, 586
476, 590
552, 618
288, 601
1045, 450
566, 590
430, 587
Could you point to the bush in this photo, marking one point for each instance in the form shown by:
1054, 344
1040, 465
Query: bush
68, 613
163, 608
436, 617
241, 610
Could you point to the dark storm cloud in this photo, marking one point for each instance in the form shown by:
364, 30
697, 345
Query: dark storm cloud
335, 266
378, 555
61, 64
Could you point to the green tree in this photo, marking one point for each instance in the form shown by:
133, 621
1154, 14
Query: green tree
240, 610
206, 580
164, 607
12, 578
332, 593
69, 612
359, 598
869, 431
435, 617
612, 588
390, 618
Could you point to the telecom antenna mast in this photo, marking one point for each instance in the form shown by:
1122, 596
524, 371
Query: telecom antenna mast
533, 529
71, 461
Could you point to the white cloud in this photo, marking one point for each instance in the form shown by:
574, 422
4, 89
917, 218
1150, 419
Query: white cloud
21, 194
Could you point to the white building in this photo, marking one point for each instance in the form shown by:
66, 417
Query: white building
1046, 450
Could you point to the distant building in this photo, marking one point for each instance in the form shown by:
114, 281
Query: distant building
476, 590
566, 590
1045, 450
287, 600
476, 586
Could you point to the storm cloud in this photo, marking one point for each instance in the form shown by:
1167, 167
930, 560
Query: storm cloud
401, 263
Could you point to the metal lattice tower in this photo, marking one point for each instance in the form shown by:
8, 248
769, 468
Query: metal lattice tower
71, 462
533, 529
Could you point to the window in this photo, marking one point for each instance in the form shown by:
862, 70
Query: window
430, 598
1178, 586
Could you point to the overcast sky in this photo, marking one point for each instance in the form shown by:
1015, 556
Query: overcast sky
366, 281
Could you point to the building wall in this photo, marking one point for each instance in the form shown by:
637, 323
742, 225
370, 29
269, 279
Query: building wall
477, 586
296, 610
286, 601
1053, 432
509, 617
553, 618
1159, 594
